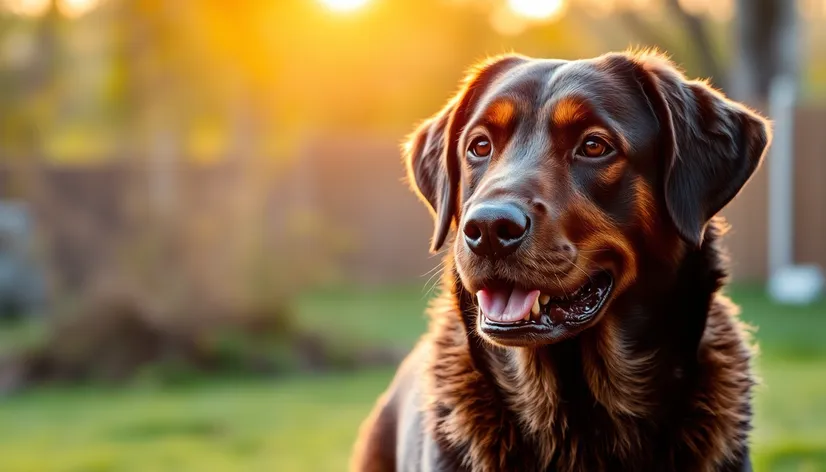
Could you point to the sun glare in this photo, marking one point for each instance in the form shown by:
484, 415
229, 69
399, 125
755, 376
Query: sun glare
694, 7
35, 8
506, 22
344, 5
27, 7
76, 8
537, 9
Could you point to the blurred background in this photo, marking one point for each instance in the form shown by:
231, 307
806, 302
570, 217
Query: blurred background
209, 259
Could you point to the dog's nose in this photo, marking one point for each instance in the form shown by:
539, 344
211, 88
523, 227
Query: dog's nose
495, 230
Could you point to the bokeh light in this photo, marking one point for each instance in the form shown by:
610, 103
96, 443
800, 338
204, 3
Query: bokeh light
27, 7
599, 8
344, 5
538, 9
507, 22
812, 8
694, 7
76, 8
721, 10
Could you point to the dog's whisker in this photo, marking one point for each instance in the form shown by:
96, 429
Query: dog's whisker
427, 293
433, 280
438, 270
437, 267
581, 269
559, 284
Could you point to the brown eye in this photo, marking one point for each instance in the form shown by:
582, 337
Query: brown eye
480, 147
594, 147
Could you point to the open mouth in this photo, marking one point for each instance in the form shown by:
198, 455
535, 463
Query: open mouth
510, 312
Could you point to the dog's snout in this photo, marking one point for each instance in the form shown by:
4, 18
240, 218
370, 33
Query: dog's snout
495, 230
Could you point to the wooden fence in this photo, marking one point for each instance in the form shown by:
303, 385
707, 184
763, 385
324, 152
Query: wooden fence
354, 185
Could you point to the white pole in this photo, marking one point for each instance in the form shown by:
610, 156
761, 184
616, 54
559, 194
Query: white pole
781, 174
788, 283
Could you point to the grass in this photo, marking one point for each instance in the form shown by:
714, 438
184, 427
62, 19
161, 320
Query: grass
308, 423
385, 316
294, 424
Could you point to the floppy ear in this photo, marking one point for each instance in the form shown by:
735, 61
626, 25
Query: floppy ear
711, 145
427, 171
430, 152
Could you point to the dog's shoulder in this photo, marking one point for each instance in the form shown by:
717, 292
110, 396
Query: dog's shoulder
721, 417
394, 436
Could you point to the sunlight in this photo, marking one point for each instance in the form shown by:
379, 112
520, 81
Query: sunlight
344, 5
35, 8
694, 7
599, 8
506, 22
27, 7
812, 8
537, 9
76, 8
721, 10
644, 6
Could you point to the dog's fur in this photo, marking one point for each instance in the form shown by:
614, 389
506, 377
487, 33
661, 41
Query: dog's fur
661, 381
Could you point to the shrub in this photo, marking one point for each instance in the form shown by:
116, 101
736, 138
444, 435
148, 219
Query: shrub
117, 333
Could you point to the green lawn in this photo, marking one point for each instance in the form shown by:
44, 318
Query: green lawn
308, 423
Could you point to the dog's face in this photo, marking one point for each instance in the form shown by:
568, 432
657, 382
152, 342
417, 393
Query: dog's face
563, 180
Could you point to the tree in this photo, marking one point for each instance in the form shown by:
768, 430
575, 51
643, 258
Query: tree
766, 42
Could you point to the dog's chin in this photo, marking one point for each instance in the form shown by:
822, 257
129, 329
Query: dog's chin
511, 315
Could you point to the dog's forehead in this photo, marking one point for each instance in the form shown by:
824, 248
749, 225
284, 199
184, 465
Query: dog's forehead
539, 86
610, 91
526, 81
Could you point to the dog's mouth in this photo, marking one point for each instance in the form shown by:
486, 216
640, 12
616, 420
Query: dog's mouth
514, 315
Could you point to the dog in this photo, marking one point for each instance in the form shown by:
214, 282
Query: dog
581, 324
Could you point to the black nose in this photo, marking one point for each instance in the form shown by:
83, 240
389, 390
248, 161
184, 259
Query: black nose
495, 230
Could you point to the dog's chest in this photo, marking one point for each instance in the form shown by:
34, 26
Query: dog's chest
559, 424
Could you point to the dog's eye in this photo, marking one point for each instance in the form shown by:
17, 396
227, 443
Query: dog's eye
594, 146
480, 147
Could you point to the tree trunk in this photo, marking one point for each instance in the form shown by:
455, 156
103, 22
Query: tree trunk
766, 47
703, 47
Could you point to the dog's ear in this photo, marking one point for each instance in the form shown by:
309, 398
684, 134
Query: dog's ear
431, 155
427, 171
711, 145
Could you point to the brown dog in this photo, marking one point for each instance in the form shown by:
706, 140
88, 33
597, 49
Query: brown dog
581, 326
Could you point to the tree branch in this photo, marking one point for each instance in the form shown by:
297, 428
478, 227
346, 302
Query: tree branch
649, 36
702, 44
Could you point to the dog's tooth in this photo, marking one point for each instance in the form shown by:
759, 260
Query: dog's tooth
544, 299
536, 316
535, 307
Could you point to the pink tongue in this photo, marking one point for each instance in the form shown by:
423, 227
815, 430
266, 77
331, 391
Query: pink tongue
503, 306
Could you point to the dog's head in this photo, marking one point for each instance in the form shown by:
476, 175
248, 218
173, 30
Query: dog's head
562, 179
